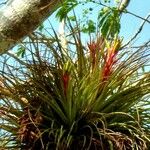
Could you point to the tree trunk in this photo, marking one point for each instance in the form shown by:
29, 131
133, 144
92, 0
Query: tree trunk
18, 18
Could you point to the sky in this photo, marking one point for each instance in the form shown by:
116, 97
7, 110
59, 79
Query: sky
129, 23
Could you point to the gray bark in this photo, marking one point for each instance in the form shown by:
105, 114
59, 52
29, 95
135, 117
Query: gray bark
123, 5
18, 18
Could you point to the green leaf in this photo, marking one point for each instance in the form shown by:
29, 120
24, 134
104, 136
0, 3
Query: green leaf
72, 18
109, 22
41, 27
21, 51
65, 9
89, 27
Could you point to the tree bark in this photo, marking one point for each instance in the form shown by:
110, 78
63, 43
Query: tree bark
123, 5
18, 18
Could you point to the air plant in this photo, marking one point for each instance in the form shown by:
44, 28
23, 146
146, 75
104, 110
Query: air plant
86, 97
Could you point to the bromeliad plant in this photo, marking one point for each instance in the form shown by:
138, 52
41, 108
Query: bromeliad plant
84, 97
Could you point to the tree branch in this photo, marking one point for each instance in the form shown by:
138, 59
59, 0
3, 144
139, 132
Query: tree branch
123, 5
18, 18
144, 19
138, 31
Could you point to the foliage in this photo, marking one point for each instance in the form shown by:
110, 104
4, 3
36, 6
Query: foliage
109, 21
21, 51
70, 94
108, 17
66, 8
79, 98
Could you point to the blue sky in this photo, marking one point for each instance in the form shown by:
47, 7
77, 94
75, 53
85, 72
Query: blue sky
129, 23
